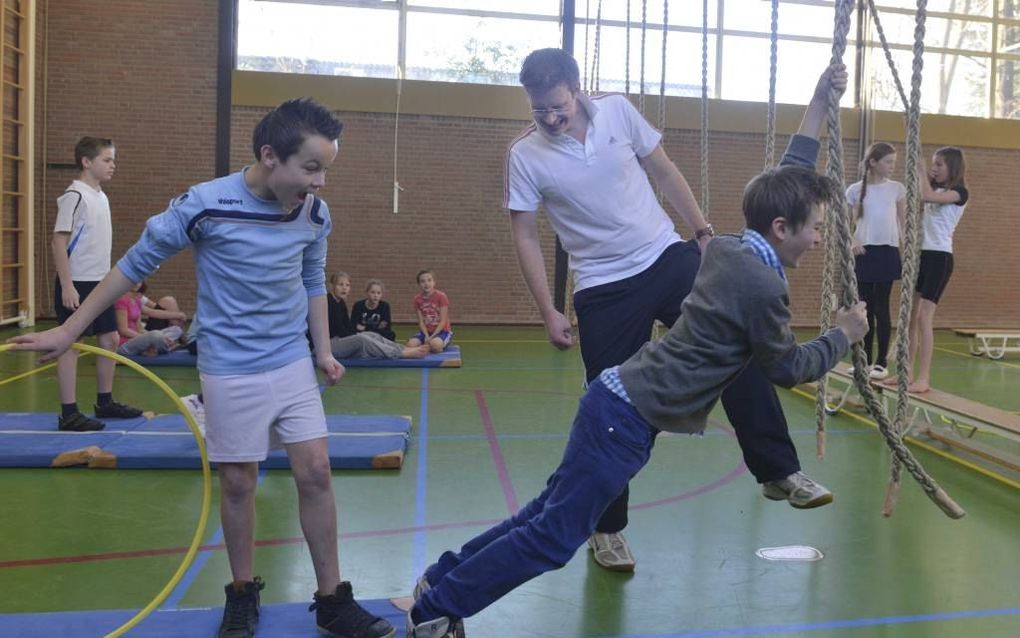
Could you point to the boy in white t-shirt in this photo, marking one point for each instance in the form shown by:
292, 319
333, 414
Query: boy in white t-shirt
82, 241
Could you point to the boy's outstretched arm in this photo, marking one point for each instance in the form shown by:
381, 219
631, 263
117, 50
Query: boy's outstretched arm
55, 342
318, 326
832, 79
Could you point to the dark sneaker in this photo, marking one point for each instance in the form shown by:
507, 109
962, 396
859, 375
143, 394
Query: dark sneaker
454, 628
241, 613
78, 422
340, 616
114, 410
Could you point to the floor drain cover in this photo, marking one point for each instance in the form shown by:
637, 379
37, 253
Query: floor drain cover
790, 552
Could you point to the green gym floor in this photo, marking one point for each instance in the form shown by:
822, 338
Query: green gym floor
485, 438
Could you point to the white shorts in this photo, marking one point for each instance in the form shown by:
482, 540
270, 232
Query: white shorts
249, 414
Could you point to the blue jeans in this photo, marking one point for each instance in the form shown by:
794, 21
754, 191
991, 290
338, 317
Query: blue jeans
608, 444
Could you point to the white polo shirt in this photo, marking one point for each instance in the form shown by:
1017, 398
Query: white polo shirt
598, 197
84, 212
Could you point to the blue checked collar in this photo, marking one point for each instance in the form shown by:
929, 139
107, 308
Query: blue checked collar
763, 250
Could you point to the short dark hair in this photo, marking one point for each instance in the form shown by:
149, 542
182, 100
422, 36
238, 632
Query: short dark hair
417, 278
545, 69
90, 148
790, 192
287, 126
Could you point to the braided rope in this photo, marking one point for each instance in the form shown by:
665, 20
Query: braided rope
596, 61
839, 222
704, 108
888, 54
584, 67
770, 128
644, 33
662, 80
626, 62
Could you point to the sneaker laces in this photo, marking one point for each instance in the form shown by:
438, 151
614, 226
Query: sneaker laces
239, 607
348, 612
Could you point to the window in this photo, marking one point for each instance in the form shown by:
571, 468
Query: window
971, 63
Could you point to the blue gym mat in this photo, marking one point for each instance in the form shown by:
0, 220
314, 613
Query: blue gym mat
356, 442
449, 358
286, 620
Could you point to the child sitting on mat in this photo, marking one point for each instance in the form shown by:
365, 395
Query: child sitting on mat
433, 309
347, 343
372, 314
135, 340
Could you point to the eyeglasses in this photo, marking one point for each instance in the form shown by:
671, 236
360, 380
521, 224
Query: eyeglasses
555, 110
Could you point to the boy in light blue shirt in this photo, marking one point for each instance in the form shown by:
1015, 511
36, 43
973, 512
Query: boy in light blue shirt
259, 237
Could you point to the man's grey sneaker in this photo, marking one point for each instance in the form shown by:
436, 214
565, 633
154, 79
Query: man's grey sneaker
799, 490
612, 552
438, 628
114, 410
197, 410
420, 588
78, 422
340, 616
241, 613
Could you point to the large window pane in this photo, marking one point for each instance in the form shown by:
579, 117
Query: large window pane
950, 84
968, 7
794, 19
1007, 102
939, 32
455, 48
1009, 8
746, 70
686, 13
318, 39
683, 61
539, 7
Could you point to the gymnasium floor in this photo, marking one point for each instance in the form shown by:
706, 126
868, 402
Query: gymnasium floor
485, 438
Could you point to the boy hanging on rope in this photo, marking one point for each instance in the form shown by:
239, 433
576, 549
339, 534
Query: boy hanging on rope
736, 313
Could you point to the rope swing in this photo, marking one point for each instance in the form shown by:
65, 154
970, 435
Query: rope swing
838, 222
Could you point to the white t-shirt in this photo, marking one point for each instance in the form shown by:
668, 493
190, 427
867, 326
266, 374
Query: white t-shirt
879, 225
84, 212
940, 221
598, 197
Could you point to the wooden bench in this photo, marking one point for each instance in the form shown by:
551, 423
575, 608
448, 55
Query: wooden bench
990, 341
944, 417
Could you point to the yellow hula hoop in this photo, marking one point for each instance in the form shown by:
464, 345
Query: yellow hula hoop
203, 518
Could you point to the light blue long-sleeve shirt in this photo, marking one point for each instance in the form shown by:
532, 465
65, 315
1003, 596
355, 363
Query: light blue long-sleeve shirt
256, 267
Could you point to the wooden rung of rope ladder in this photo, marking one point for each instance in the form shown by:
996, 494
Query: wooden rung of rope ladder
992, 342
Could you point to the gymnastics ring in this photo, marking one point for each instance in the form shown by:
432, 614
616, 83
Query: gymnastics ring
196, 540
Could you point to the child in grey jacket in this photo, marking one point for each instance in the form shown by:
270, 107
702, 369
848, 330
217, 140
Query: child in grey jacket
738, 310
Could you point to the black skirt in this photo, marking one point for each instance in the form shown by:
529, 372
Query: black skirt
878, 264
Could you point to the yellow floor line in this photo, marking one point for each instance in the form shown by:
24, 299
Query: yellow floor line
969, 355
926, 447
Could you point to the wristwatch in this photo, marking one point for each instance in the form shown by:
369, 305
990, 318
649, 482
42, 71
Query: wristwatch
707, 231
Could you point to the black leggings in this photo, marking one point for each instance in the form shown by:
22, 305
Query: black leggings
876, 295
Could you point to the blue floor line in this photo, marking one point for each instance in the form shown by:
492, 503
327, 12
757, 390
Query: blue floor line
763, 630
421, 477
173, 601
550, 436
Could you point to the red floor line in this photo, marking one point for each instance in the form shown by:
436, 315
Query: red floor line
497, 454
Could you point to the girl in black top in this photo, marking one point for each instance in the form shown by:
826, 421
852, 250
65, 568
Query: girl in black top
373, 314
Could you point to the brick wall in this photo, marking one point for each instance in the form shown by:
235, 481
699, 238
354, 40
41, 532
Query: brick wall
151, 86
143, 74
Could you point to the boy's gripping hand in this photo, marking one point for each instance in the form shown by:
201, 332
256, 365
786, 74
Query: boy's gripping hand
333, 369
833, 78
52, 343
853, 321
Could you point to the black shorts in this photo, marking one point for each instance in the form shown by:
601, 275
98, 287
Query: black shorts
104, 323
934, 273
155, 323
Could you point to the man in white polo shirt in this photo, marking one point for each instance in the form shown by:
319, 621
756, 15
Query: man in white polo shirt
590, 164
